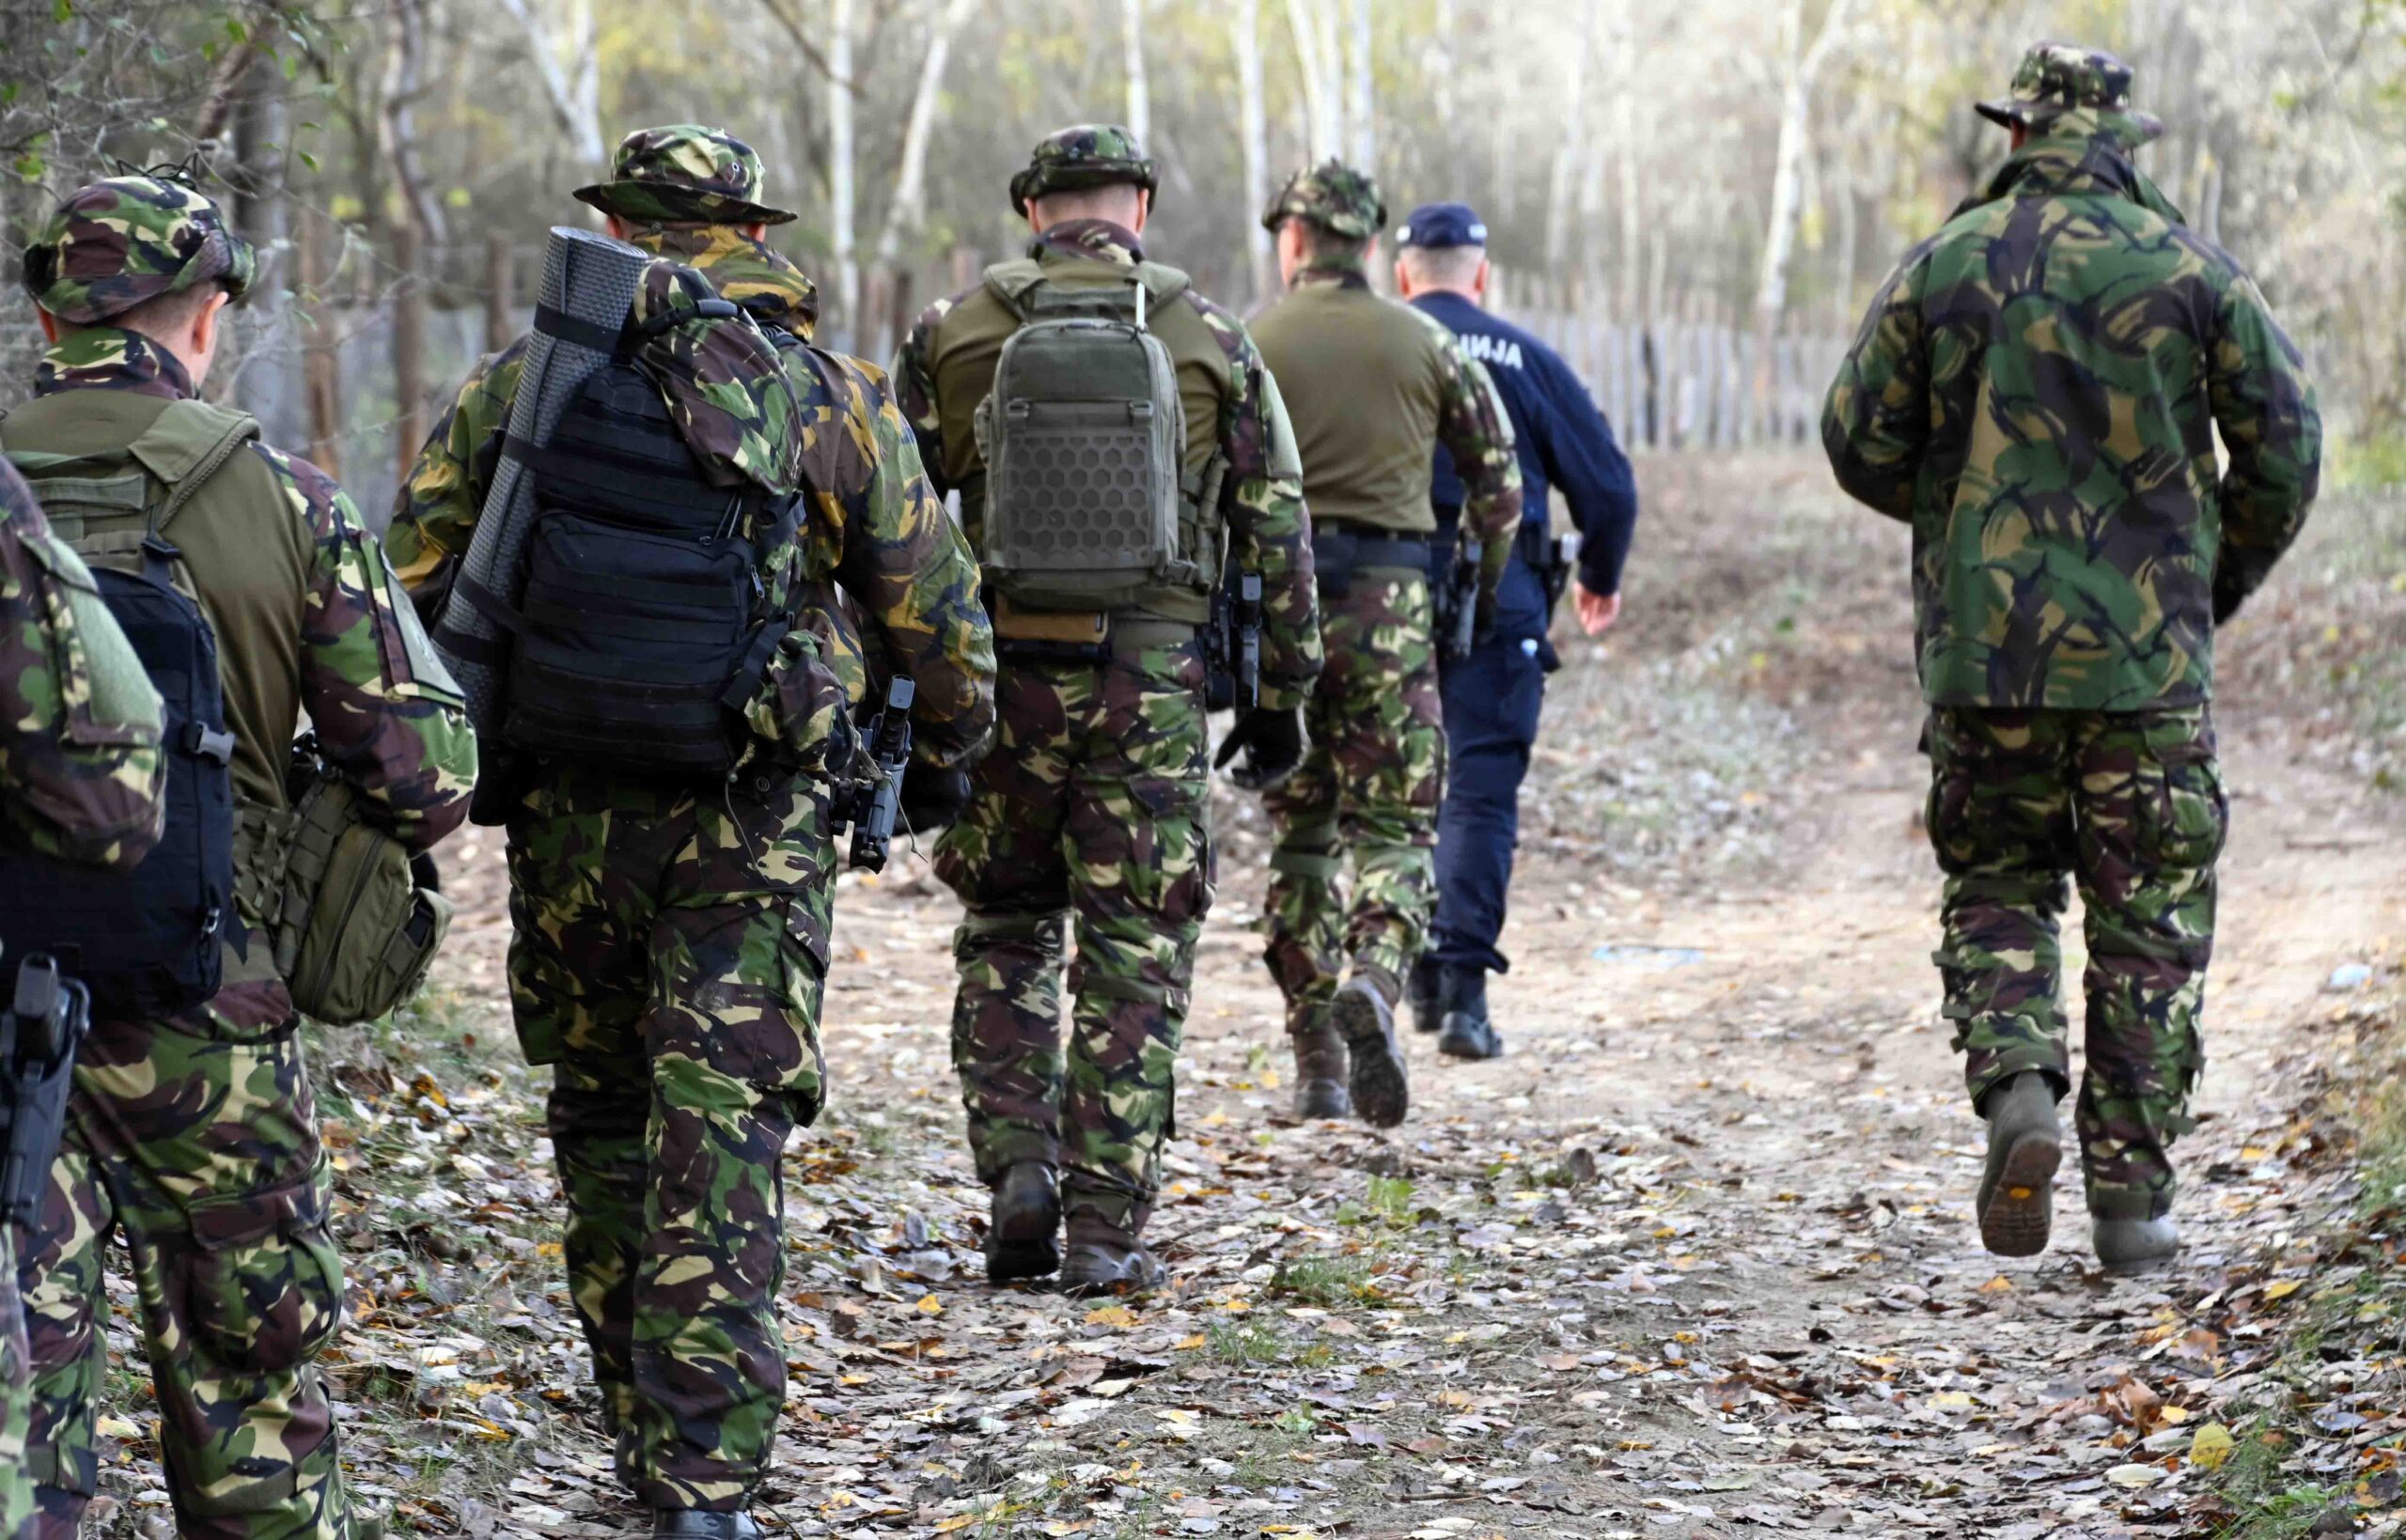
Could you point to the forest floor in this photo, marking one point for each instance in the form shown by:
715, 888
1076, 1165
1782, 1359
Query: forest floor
1694, 1259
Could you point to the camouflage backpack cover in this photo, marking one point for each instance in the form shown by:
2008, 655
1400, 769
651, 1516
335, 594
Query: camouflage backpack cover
1085, 440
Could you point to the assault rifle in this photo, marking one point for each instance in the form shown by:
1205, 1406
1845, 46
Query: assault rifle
869, 805
39, 1036
1232, 648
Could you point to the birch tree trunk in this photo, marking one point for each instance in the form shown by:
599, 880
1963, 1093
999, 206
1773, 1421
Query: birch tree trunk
1362, 133
1788, 174
573, 90
1253, 107
905, 212
1321, 106
1625, 129
1561, 211
1132, 52
839, 173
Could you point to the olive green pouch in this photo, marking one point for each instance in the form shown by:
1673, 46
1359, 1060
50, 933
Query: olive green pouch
356, 933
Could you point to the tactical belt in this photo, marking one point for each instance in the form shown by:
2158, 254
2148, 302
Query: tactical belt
1533, 543
1125, 637
1353, 546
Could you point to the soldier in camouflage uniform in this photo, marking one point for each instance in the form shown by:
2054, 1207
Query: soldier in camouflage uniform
1094, 805
81, 778
2036, 392
1375, 387
670, 941
196, 1135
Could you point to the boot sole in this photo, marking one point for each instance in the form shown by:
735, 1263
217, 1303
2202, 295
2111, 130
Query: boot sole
2021, 1209
1380, 1088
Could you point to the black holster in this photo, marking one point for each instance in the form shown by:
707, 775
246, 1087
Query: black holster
38, 1037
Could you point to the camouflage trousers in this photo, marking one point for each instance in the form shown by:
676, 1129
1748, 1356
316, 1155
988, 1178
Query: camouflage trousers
1092, 810
16, 1391
2131, 806
667, 957
1368, 790
196, 1141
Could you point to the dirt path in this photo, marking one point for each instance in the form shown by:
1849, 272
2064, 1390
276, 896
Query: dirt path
1694, 1259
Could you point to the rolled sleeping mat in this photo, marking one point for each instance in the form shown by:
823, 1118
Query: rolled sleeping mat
588, 288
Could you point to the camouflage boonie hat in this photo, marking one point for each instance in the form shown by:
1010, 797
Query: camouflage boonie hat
121, 243
2058, 79
685, 174
1334, 196
1085, 155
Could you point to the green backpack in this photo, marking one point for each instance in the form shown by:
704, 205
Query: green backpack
1085, 441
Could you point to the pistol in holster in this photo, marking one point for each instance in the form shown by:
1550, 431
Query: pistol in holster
39, 1036
869, 805
1454, 605
1232, 649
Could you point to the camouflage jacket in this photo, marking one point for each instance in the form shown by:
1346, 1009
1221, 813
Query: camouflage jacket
2036, 391
1375, 387
1261, 496
387, 716
875, 535
81, 774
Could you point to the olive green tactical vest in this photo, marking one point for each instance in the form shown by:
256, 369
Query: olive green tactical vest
1365, 381
968, 343
97, 460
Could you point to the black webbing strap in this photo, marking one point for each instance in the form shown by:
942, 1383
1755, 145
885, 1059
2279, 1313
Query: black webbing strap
745, 682
489, 605
575, 329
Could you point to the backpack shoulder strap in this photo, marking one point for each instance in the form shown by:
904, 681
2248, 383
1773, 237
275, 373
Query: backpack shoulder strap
1013, 282
189, 444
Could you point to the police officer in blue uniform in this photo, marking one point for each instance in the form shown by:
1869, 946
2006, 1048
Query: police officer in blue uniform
1492, 696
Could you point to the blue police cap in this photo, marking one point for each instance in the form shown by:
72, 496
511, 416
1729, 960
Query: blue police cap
1435, 224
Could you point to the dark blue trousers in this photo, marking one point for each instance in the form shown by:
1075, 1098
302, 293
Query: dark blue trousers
1491, 700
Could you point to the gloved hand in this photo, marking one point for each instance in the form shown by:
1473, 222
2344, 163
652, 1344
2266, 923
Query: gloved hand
1273, 744
424, 872
932, 796
2229, 596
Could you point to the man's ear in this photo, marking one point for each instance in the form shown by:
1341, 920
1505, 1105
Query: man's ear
1144, 211
757, 231
203, 336
1402, 279
1485, 276
50, 325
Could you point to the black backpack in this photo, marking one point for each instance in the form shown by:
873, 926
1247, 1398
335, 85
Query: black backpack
147, 942
640, 635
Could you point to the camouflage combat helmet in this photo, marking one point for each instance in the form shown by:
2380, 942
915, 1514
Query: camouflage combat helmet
1084, 155
685, 174
2061, 82
121, 243
1334, 196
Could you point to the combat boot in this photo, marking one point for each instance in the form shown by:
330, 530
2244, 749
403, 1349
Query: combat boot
2129, 1246
1026, 1217
1462, 1004
2025, 1145
1105, 1257
1420, 993
694, 1524
1363, 1014
1320, 1071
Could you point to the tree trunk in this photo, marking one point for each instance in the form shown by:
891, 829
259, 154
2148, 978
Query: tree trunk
904, 212
1254, 109
320, 365
409, 346
1322, 107
404, 82
1632, 218
1362, 133
500, 323
1788, 174
572, 91
1131, 54
840, 175
1569, 157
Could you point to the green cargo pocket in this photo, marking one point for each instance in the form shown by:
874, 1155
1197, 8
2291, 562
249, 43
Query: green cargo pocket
263, 1279
2182, 813
802, 970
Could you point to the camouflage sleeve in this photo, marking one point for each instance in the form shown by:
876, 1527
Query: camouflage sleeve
1269, 531
2264, 405
1874, 421
908, 568
914, 393
435, 515
79, 721
1475, 429
388, 715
